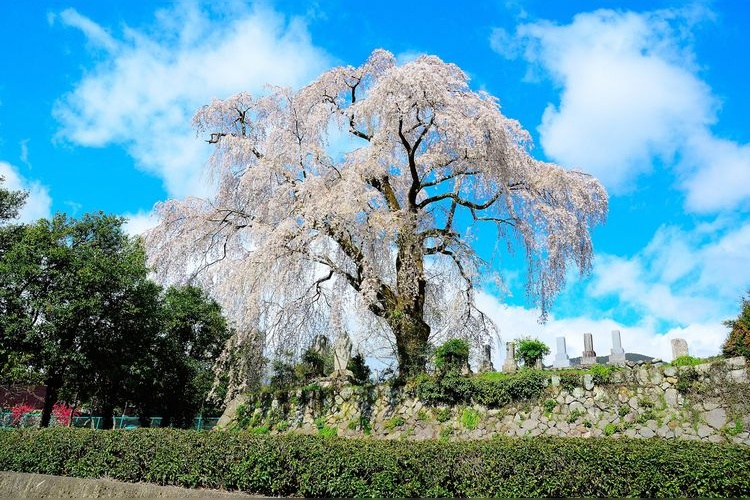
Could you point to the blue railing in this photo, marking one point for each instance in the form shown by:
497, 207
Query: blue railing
95, 422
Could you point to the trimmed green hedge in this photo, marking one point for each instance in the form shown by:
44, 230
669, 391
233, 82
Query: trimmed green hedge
315, 467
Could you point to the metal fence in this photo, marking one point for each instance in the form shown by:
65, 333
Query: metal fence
94, 422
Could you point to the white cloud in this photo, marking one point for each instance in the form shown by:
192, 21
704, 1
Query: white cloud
143, 95
139, 222
24, 156
38, 204
95, 33
704, 339
681, 277
630, 96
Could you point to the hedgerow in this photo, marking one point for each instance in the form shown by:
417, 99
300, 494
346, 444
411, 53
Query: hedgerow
312, 466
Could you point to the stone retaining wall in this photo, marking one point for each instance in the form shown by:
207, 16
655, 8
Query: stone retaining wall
706, 402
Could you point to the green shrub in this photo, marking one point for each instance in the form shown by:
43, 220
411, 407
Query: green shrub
312, 365
575, 415
310, 466
496, 392
392, 423
602, 374
360, 370
686, 380
284, 376
442, 415
610, 429
569, 380
452, 355
529, 351
549, 406
470, 418
328, 432
687, 361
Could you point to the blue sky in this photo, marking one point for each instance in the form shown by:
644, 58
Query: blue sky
651, 97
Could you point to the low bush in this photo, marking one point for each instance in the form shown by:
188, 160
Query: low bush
687, 361
493, 390
452, 355
312, 466
529, 351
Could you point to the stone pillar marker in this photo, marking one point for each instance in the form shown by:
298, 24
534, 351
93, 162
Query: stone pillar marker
589, 356
486, 364
617, 355
562, 360
342, 352
679, 348
510, 365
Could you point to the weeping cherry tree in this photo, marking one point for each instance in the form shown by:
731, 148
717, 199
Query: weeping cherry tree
355, 197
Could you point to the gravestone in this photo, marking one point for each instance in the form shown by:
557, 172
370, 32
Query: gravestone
589, 356
617, 355
486, 363
562, 360
320, 345
679, 348
510, 365
342, 352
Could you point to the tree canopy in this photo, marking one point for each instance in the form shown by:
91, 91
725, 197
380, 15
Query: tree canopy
79, 313
355, 197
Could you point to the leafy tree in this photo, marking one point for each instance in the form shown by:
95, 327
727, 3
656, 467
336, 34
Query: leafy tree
10, 202
192, 335
75, 297
530, 351
738, 340
298, 231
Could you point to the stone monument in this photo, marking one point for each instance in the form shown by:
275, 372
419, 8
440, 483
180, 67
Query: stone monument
617, 355
510, 365
562, 360
320, 345
679, 348
486, 364
589, 356
342, 352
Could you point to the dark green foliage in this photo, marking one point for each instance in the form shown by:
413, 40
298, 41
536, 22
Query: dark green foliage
10, 202
311, 365
493, 390
77, 307
360, 371
179, 371
530, 351
284, 376
686, 380
738, 340
452, 355
312, 466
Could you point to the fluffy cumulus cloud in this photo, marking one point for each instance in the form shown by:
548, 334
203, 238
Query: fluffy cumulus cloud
38, 204
683, 284
681, 277
149, 81
704, 339
139, 222
630, 97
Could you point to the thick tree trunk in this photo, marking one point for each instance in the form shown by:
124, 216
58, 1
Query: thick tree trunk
108, 414
411, 334
406, 319
53, 384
